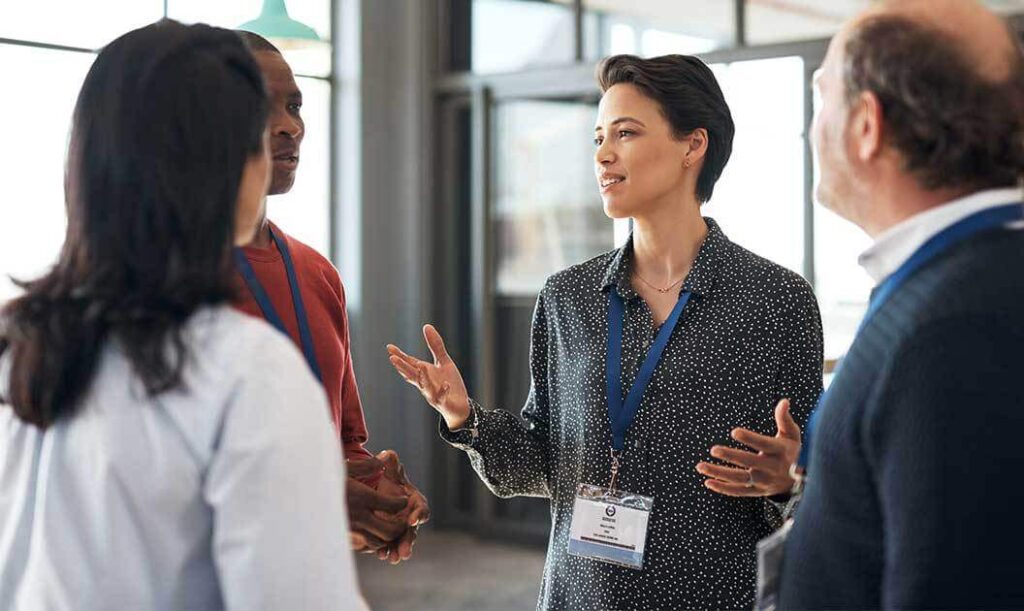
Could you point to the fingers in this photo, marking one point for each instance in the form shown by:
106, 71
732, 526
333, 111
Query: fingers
386, 502
420, 511
389, 458
787, 427
411, 372
385, 530
731, 489
397, 352
436, 345
725, 474
363, 468
741, 458
405, 544
361, 498
365, 542
769, 445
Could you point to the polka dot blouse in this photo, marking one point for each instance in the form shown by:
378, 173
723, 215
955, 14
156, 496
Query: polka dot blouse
750, 335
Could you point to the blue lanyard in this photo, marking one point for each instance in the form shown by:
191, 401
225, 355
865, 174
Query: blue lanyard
620, 414
269, 312
974, 224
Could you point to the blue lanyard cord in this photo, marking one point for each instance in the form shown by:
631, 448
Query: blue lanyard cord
990, 218
621, 415
267, 307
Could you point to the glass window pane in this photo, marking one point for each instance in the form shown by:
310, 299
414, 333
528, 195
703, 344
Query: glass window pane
759, 200
43, 86
655, 27
512, 35
314, 60
547, 212
841, 284
76, 23
304, 212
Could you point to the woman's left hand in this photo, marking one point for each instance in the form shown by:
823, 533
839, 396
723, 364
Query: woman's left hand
764, 472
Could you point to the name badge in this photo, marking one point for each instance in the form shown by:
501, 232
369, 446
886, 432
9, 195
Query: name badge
610, 526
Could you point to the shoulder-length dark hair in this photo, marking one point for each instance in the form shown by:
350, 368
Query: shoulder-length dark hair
166, 119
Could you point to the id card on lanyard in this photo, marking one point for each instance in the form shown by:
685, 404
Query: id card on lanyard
770, 549
269, 312
608, 524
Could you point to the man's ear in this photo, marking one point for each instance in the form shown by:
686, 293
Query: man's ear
867, 124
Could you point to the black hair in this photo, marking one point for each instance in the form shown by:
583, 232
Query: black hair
255, 42
164, 124
689, 97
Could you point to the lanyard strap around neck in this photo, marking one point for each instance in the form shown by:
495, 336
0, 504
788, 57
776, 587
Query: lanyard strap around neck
267, 307
621, 414
990, 218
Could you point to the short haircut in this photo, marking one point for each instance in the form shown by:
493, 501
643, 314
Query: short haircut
952, 126
689, 97
255, 42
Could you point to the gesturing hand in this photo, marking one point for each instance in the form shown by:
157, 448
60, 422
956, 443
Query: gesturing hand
764, 473
440, 383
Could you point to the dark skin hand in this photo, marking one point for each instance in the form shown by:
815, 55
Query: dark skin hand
384, 521
416, 511
369, 531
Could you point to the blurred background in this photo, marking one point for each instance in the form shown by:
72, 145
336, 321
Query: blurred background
447, 171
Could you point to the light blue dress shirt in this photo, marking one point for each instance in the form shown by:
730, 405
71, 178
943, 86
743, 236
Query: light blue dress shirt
227, 493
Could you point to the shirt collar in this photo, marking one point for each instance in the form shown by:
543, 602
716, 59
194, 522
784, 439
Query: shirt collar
700, 279
895, 245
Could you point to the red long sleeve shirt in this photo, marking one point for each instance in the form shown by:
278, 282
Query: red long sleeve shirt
324, 298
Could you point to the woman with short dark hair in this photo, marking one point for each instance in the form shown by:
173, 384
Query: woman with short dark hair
147, 460
644, 358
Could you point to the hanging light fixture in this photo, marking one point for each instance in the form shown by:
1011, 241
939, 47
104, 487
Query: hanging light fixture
285, 32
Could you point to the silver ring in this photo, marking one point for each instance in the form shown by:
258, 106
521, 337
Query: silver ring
750, 478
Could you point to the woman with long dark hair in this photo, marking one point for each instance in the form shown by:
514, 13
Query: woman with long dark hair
147, 460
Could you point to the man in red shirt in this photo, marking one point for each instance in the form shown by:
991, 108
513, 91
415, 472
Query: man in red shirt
300, 292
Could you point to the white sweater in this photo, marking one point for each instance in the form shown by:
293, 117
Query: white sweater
225, 494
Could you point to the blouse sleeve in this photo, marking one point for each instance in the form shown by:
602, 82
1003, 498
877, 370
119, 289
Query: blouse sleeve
800, 374
511, 455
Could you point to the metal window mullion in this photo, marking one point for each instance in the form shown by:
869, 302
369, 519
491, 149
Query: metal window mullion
482, 293
809, 269
740, 23
577, 7
333, 144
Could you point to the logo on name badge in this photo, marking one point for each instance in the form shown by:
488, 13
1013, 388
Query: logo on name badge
609, 511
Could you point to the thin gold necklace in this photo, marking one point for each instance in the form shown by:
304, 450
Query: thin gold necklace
660, 290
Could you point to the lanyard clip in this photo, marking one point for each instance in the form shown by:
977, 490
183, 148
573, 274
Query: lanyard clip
616, 454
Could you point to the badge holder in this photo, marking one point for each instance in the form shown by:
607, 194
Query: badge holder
610, 525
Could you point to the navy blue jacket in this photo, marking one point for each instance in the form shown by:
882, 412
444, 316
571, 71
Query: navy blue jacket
916, 478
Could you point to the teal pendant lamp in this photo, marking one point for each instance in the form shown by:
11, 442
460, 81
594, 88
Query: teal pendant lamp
275, 25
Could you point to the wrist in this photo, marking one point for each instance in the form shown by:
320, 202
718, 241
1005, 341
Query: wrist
458, 418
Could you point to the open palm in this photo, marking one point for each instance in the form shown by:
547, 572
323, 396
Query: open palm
439, 382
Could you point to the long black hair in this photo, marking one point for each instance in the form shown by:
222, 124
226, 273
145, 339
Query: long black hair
165, 122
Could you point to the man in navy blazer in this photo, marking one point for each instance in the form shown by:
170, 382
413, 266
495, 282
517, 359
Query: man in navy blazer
915, 482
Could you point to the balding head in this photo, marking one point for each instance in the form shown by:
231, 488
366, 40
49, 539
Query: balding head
918, 95
982, 38
948, 78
